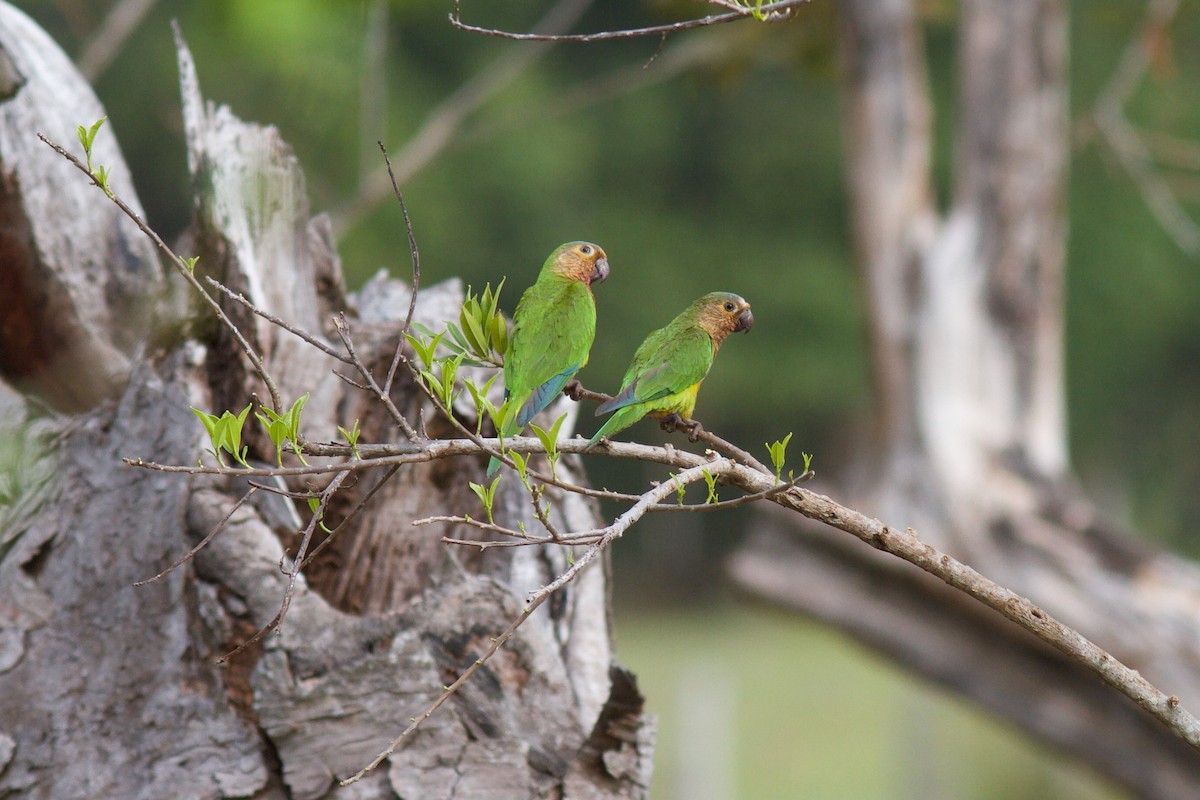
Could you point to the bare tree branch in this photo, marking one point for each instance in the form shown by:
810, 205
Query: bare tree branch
343, 330
1126, 142
122, 20
443, 122
415, 256
770, 12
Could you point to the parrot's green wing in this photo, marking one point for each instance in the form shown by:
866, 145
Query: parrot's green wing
666, 372
668, 362
556, 323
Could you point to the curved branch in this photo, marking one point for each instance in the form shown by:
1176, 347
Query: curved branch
771, 12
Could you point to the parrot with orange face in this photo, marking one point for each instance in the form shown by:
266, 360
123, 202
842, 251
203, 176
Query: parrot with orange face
553, 329
670, 364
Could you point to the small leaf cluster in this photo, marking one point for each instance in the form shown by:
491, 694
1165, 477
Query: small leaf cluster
778, 452
549, 440
755, 7
351, 437
486, 494
284, 429
443, 384
481, 335
87, 137
225, 433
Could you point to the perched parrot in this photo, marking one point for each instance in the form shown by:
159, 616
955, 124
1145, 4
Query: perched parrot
669, 366
553, 328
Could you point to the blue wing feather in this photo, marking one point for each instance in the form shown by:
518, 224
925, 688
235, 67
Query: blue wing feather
630, 395
544, 395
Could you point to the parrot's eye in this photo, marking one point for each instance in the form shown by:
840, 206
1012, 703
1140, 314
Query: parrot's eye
729, 306
585, 249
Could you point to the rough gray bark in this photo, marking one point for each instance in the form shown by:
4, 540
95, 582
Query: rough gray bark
110, 690
76, 280
965, 309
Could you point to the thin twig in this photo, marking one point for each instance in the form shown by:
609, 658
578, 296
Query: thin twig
350, 515
435, 449
483, 526
1128, 145
448, 691
730, 449
778, 10
346, 379
622, 523
200, 546
293, 495
588, 537
415, 257
182, 268
294, 573
443, 122
122, 19
241, 299
535, 495
343, 330
488, 544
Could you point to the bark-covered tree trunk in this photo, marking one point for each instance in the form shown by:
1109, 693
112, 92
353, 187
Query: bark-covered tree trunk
965, 314
111, 690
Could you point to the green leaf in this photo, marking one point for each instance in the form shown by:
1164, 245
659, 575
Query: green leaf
87, 138
209, 420
499, 334
101, 173
711, 480
486, 495
499, 415
449, 373
479, 398
94, 129
474, 331
458, 337
351, 436
549, 440
225, 433
680, 488
424, 347
522, 463
778, 451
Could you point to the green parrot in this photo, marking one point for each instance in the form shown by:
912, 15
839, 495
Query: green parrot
553, 328
669, 366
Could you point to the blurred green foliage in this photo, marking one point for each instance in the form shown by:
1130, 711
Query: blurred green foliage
727, 176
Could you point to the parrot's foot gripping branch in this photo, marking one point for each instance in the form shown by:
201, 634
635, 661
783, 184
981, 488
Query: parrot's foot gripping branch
674, 422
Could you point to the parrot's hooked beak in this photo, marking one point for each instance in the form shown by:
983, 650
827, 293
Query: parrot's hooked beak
600, 271
745, 321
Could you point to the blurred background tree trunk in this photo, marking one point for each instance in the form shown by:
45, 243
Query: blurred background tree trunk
965, 315
111, 690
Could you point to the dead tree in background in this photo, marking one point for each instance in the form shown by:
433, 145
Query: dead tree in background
965, 308
107, 690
